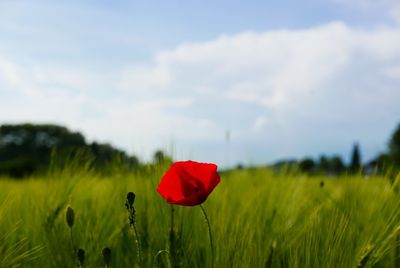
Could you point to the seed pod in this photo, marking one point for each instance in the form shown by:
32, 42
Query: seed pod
130, 198
70, 216
80, 254
106, 255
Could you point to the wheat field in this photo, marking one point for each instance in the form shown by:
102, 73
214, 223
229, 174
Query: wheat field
258, 218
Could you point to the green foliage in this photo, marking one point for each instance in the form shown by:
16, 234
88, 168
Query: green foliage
160, 158
307, 165
394, 147
331, 165
14, 252
259, 219
355, 164
323, 166
389, 161
26, 149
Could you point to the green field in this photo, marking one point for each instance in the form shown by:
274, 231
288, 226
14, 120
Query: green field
258, 219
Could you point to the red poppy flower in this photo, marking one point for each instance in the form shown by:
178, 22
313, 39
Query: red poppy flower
188, 183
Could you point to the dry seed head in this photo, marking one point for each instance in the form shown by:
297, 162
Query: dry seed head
80, 254
107, 255
70, 216
130, 198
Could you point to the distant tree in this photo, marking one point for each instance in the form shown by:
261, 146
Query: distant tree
104, 154
387, 163
323, 163
283, 165
355, 164
336, 165
307, 165
239, 166
133, 161
394, 147
331, 165
160, 157
379, 164
27, 148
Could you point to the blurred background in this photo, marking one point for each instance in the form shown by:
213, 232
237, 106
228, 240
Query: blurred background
231, 82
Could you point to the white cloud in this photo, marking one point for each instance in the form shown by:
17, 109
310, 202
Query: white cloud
71, 97
8, 73
139, 79
276, 69
392, 72
259, 123
322, 77
299, 91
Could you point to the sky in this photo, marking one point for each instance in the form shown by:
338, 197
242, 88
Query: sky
216, 81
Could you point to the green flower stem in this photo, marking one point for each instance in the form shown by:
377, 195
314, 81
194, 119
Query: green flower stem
210, 235
172, 217
139, 251
172, 238
72, 240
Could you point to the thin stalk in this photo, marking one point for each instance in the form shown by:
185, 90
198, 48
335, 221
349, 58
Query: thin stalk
210, 235
172, 217
139, 251
155, 260
72, 240
172, 239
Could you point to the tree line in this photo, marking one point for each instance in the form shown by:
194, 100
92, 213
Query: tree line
26, 149
387, 161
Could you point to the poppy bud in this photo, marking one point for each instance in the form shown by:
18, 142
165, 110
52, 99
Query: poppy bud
130, 198
70, 216
80, 254
106, 255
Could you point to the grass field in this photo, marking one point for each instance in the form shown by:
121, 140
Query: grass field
258, 219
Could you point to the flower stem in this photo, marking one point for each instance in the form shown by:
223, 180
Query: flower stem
72, 240
210, 235
139, 252
172, 217
172, 256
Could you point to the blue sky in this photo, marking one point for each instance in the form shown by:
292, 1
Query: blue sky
285, 78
